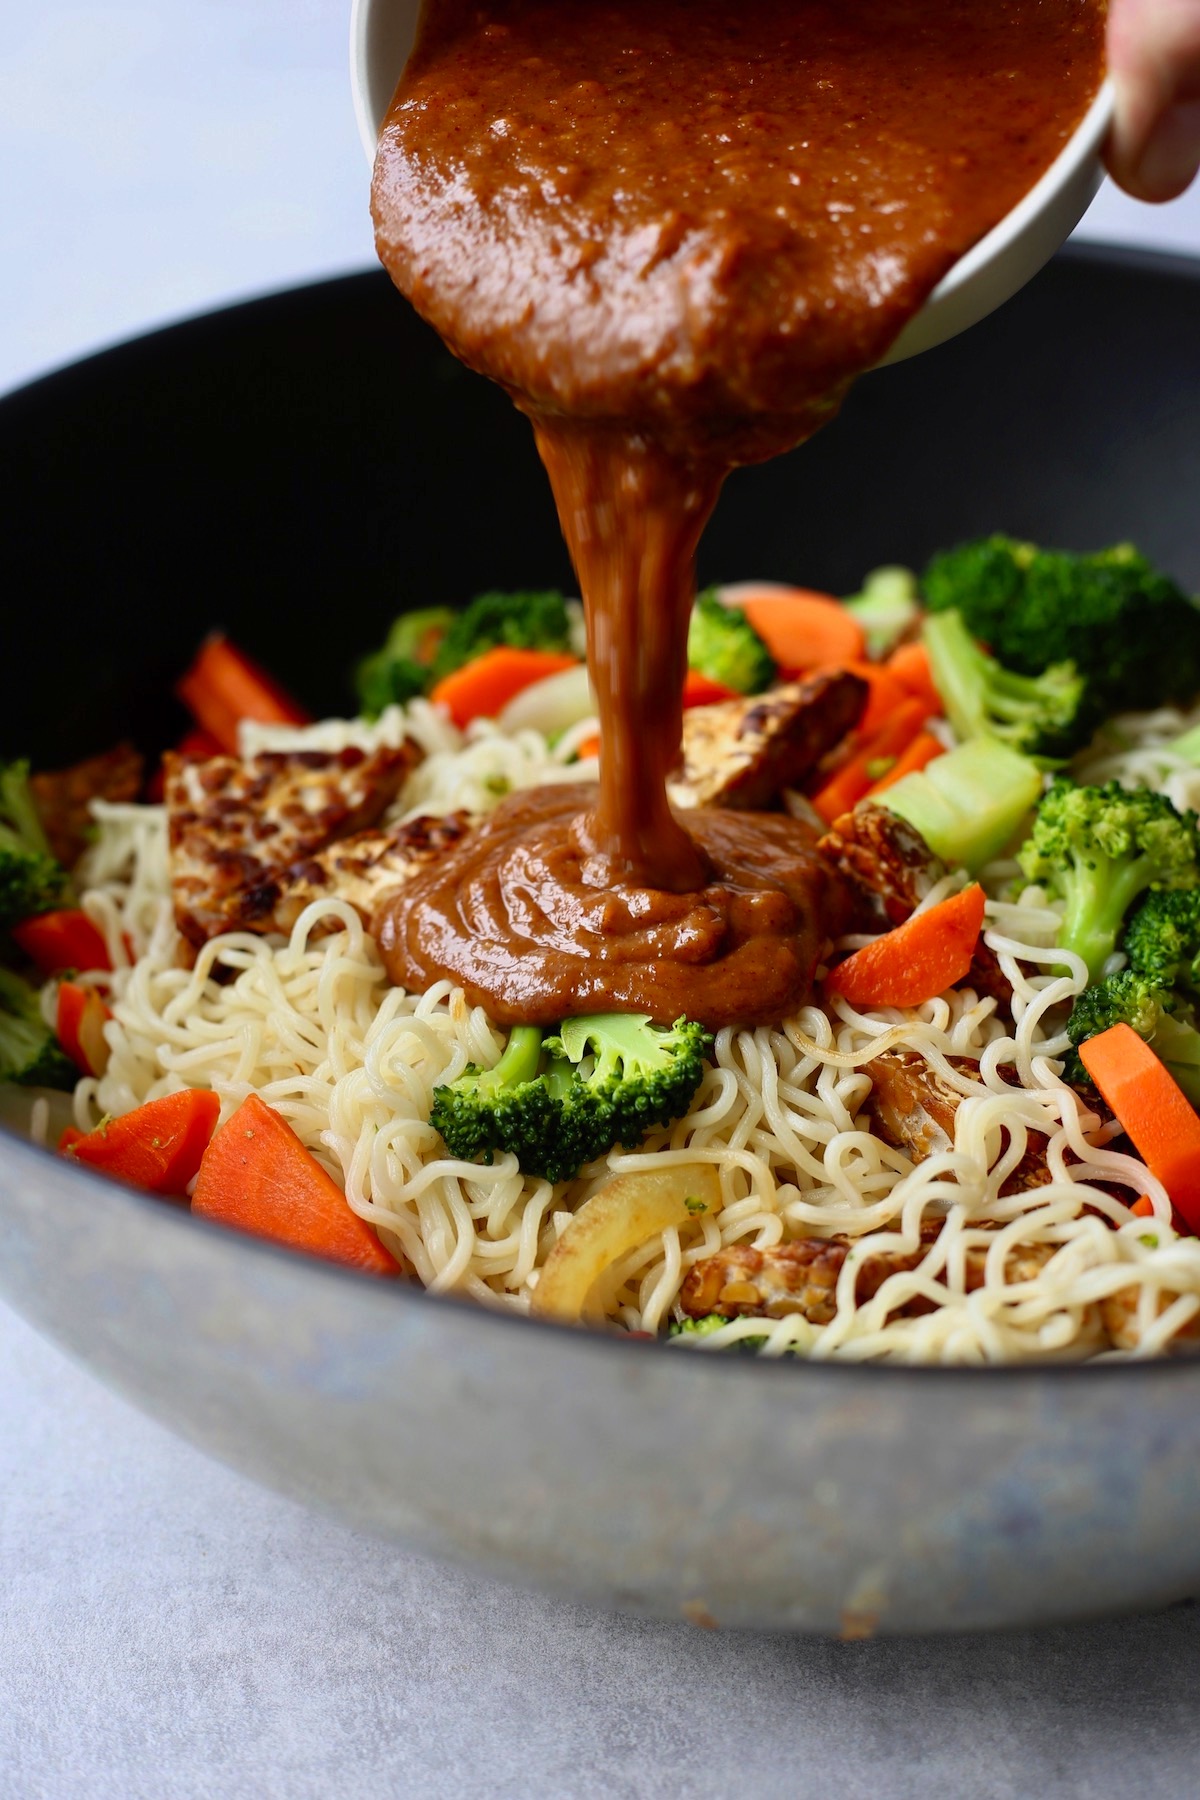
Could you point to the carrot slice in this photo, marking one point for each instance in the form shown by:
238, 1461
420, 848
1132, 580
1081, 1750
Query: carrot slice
921, 958
910, 667
258, 1177
701, 690
885, 694
921, 751
1153, 1111
223, 686
158, 1147
66, 939
484, 686
79, 1027
850, 781
803, 629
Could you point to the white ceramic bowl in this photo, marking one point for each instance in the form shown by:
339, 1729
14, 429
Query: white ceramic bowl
381, 36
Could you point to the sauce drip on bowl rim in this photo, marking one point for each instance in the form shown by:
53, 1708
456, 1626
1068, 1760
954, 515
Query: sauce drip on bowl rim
675, 232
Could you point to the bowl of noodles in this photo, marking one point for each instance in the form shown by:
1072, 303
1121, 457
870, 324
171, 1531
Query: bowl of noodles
888, 1320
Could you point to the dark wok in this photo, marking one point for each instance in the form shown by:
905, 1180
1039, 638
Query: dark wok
298, 469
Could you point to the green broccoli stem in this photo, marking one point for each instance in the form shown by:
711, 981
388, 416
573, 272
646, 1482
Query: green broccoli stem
1178, 1046
520, 1060
1097, 899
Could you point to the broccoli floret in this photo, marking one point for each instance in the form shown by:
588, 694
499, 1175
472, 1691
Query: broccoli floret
1130, 631
1100, 848
1137, 1000
29, 1052
1162, 939
968, 804
723, 644
559, 1102
632, 1075
888, 606
31, 881
697, 1327
403, 667
511, 1106
536, 621
1049, 714
700, 1328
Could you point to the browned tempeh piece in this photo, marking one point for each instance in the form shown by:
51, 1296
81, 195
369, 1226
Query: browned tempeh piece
913, 1108
1120, 1315
234, 825
742, 753
884, 858
802, 1277
363, 870
63, 797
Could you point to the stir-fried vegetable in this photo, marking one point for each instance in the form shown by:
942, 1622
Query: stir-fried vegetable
483, 688
61, 940
868, 764
79, 1024
723, 644
801, 629
1130, 631
1151, 1108
257, 1176
1100, 848
223, 687
557, 1103
969, 804
403, 666
1147, 1007
918, 960
31, 881
887, 607
29, 1051
1049, 714
625, 1213
157, 1147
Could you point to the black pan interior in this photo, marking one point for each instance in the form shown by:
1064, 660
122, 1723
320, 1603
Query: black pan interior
301, 468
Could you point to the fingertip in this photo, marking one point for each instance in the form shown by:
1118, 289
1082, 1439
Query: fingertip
1165, 163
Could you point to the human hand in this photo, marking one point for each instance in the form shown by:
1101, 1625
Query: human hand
1154, 60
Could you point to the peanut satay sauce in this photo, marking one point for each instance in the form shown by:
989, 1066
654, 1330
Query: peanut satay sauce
675, 231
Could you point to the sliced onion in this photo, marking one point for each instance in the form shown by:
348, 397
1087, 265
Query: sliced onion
551, 706
626, 1212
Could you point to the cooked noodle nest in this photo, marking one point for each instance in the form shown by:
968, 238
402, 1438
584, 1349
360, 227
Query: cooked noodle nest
312, 1025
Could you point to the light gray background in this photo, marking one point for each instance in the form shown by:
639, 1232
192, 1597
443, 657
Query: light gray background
169, 1631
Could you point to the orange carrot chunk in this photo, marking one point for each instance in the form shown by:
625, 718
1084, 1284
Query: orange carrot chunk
805, 630
701, 690
484, 686
79, 1026
223, 687
909, 665
157, 1147
1152, 1109
66, 939
921, 751
258, 1177
919, 959
870, 762
884, 693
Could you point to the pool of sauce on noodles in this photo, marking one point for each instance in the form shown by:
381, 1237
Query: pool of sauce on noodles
675, 231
